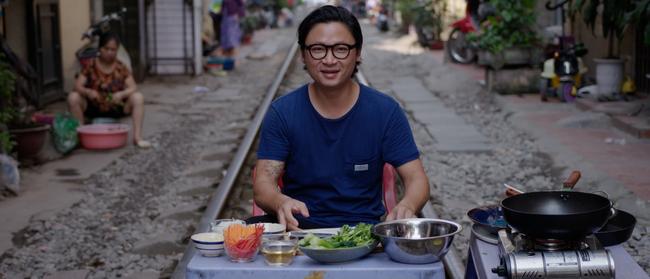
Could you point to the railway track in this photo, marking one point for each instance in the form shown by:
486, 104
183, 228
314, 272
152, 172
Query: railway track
235, 189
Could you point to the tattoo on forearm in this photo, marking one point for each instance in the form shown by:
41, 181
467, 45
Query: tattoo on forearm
274, 168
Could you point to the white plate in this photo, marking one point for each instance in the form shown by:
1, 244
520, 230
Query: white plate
274, 228
326, 232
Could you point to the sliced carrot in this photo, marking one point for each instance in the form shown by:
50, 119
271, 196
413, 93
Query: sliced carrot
243, 240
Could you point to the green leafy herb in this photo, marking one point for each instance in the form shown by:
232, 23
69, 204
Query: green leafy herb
347, 237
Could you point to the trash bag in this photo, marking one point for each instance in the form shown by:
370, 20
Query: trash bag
65, 132
9, 174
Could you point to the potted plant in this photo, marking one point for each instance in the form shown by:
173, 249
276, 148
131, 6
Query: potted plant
427, 19
248, 26
406, 10
17, 130
614, 19
509, 36
638, 16
7, 112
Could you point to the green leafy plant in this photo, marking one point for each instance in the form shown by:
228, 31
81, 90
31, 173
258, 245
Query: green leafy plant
429, 15
511, 26
406, 10
639, 16
423, 14
614, 16
248, 24
7, 111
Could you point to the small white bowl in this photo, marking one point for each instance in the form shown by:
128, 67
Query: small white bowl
274, 228
209, 244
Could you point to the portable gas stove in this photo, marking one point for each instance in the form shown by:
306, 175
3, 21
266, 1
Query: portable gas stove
524, 257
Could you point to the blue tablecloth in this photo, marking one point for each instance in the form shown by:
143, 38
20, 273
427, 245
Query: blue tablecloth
373, 266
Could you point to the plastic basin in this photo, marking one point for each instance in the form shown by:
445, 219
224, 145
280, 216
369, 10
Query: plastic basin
103, 136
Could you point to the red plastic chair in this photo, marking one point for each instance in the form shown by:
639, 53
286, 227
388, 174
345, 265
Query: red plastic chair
388, 189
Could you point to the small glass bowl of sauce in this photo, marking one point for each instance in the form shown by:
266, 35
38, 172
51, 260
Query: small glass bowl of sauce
279, 251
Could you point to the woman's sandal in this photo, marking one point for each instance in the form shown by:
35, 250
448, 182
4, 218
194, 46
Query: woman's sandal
142, 144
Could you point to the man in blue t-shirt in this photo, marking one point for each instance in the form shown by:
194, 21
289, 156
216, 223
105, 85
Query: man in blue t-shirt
329, 139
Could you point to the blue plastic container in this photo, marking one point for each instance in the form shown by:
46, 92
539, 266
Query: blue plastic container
228, 64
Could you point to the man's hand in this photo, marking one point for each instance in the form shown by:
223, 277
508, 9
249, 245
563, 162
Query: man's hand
400, 212
286, 210
416, 191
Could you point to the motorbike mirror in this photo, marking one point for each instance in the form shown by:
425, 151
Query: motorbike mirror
88, 34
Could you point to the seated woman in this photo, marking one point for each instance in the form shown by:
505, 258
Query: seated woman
106, 88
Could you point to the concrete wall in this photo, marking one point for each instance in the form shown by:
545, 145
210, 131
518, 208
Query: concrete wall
75, 18
16, 28
545, 17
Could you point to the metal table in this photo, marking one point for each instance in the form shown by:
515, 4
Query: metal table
374, 266
484, 256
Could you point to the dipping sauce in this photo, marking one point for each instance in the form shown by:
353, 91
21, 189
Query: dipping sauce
279, 252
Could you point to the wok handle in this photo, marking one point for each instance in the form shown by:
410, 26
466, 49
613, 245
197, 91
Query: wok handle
612, 208
511, 190
571, 182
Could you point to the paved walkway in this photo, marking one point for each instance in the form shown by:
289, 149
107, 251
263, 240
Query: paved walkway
589, 141
451, 132
586, 136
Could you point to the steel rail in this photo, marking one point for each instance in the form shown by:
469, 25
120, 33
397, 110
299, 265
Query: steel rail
218, 199
454, 266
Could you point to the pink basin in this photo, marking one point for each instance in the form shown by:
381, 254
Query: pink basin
103, 136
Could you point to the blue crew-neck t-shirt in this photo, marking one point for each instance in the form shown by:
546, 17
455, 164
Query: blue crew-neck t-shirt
335, 166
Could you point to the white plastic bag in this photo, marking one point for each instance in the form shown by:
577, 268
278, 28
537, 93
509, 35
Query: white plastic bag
9, 174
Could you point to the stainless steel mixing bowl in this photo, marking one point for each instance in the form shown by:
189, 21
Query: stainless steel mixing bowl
417, 240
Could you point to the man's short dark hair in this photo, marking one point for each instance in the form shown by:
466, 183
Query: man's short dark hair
326, 14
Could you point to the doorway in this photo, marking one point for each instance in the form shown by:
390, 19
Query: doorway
45, 49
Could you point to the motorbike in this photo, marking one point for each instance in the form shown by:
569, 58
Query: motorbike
458, 47
90, 49
562, 73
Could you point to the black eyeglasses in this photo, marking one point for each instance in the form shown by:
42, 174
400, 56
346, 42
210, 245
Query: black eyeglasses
319, 51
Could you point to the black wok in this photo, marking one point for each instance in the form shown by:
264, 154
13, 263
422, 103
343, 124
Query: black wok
564, 215
618, 229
